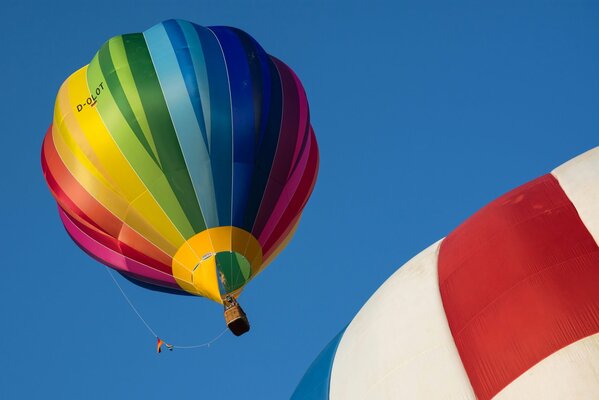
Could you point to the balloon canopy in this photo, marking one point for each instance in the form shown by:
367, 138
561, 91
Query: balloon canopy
182, 157
505, 307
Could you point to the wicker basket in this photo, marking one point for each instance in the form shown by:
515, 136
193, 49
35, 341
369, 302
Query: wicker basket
237, 320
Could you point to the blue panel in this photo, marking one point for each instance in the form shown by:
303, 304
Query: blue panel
316, 381
220, 128
176, 74
259, 63
244, 134
182, 49
266, 150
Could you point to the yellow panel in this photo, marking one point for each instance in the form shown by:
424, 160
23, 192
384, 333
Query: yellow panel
90, 124
194, 264
108, 198
111, 200
205, 277
181, 273
220, 237
80, 149
113, 172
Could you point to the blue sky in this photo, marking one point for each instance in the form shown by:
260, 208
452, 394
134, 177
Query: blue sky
424, 111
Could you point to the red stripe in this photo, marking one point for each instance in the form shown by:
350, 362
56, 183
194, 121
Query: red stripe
51, 164
92, 217
115, 260
135, 246
98, 235
297, 202
519, 280
72, 196
146, 253
288, 139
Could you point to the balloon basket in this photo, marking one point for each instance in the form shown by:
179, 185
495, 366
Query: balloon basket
235, 318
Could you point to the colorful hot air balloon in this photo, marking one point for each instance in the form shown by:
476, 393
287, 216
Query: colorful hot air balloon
182, 157
505, 307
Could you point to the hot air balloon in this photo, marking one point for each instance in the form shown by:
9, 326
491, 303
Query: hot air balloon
505, 307
182, 157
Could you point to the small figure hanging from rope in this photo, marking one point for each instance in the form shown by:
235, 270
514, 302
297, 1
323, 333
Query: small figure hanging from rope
159, 345
149, 328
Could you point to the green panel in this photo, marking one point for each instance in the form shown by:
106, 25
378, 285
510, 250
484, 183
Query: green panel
130, 145
234, 270
125, 77
161, 127
105, 56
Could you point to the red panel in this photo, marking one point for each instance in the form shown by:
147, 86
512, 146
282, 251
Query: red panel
519, 280
146, 253
64, 201
90, 216
135, 246
71, 196
98, 235
288, 139
298, 201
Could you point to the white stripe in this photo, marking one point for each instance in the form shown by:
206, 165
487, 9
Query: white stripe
569, 373
399, 345
579, 179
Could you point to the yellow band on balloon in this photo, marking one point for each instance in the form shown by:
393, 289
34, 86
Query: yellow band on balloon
89, 152
194, 264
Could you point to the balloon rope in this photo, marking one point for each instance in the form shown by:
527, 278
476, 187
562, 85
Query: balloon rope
196, 346
207, 344
131, 304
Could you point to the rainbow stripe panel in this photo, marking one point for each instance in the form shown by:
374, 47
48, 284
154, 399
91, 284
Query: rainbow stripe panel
505, 307
182, 157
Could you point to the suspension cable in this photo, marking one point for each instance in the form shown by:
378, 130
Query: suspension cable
149, 328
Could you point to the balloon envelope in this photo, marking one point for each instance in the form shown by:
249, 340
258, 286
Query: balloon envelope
182, 157
505, 307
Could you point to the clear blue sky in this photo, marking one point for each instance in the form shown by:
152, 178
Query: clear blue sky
424, 111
